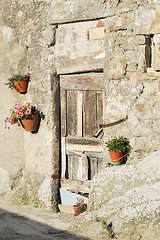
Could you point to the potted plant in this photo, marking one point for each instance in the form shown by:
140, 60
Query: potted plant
117, 146
24, 115
18, 82
79, 207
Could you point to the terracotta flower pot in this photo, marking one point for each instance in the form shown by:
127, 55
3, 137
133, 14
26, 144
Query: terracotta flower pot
74, 208
21, 85
30, 124
116, 157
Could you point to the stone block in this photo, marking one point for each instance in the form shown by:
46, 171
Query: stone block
144, 19
67, 209
140, 40
96, 33
117, 67
77, 10
156, 57
156, 39
150, 88
131, 67
141, 58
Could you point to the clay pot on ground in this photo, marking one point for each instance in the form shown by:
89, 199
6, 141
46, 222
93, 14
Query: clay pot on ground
116, 157
21, 85
74, 208
30, 124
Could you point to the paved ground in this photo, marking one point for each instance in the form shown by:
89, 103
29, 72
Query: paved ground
29, 223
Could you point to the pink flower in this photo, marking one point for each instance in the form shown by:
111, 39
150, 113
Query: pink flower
11, 122
16, 113
7, 119
21, 114
28, 111
24, 76
20, 108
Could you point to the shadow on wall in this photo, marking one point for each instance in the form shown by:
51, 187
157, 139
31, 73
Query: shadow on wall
41, 117
18, 227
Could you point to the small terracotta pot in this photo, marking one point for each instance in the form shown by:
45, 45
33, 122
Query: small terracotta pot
21, 85
31, 124
116, 157
74, 208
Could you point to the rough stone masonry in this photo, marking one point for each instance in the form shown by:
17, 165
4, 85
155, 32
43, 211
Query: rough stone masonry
47, 39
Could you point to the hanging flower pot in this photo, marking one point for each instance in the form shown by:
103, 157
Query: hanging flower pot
116, 157
24, 115
18, 82
30, 124
21, 85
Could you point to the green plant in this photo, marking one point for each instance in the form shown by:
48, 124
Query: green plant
19, 112
108, 228
35, 203
80, 206
16, 77
118, 144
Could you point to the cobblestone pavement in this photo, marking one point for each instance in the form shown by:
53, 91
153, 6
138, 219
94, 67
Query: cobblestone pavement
28, 223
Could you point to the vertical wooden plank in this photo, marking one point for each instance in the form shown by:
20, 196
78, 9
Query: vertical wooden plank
74, 167
63, 146
84, 167
94, 166
70, 167
99, 107
63, 112
79, 112
100, 164
79, 170
71, 113
90, 112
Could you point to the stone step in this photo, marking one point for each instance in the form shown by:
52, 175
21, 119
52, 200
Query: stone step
68, 209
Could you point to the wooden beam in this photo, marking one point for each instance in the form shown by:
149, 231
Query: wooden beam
82, 81
90, 148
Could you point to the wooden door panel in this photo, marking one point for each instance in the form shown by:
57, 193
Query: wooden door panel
82, 167
81, 113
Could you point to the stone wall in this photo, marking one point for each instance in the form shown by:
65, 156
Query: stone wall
48, 38
26, 46
132, 87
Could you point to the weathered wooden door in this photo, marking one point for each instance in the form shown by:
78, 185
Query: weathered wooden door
81, 113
